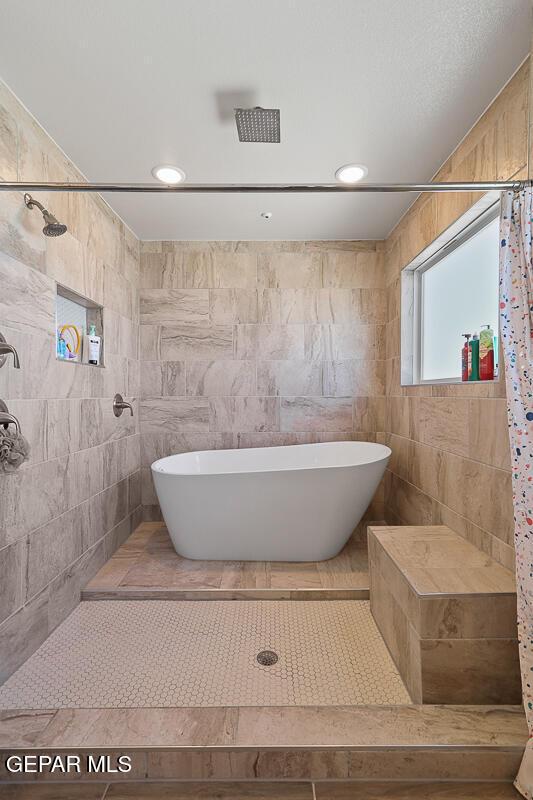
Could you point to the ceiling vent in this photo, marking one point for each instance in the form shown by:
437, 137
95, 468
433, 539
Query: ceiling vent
258, 124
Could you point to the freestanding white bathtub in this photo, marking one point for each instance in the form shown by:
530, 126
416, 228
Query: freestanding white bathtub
293, 503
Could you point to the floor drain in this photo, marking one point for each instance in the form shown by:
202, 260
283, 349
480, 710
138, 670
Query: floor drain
267, 658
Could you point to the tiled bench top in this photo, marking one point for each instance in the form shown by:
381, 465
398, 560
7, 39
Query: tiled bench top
437, 561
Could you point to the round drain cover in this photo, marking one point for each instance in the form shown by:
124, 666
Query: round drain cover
267, 658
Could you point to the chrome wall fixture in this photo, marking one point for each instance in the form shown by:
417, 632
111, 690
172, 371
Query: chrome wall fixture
51, 226
119, 404
5, 349
266, 188
6, 418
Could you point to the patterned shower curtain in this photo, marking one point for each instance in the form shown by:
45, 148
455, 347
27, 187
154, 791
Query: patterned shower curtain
516, 330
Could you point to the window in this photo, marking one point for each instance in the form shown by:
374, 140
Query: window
450, 289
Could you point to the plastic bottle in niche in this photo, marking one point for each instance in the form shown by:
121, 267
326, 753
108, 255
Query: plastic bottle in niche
464, 357
92, 342
473, 358
486, 354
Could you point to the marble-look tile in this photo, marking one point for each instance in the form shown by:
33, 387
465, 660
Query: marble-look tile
444, 423
355, 377
175, 415
269, 306
290, 270
257, 790
209, 378
174, 306
196, 342
8, 145
289, 378
317, 305
400, 790
62, 427
244, 414
316, 414
161, 270
269, 342
339, 342
235, 270
162, 379
358, 270
54, 547
228, 306
27, 298
22, 633
21, 237
150, 342
12, 578
488, 432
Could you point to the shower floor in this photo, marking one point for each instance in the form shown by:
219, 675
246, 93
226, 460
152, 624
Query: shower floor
148, 567
160, 653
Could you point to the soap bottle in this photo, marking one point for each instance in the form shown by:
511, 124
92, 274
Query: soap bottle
464, 357
486, 354
62, 351
92, 342
473, 358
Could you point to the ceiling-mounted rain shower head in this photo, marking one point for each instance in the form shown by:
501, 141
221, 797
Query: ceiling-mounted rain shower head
52, 226
258, 124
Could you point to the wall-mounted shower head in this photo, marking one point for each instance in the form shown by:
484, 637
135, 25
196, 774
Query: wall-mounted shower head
52, 227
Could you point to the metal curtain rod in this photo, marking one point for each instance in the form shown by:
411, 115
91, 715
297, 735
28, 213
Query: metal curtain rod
245, 188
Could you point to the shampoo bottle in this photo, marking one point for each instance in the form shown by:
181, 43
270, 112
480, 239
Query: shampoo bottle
486, 354
92, 342
473, 358
464, 357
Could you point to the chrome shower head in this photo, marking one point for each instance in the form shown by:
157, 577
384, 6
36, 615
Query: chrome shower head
258, 124
52, 226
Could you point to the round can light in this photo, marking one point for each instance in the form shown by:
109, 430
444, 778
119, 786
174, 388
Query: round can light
351, 173
168, 174
266, 214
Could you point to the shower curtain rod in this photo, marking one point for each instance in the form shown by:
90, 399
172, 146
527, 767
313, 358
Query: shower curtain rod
245, 188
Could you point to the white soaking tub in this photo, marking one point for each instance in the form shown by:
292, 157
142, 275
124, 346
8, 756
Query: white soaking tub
291, 503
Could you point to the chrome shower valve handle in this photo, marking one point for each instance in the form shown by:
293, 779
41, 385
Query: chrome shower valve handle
119, 404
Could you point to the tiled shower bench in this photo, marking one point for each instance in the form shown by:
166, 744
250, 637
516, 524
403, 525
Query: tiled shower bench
447, 612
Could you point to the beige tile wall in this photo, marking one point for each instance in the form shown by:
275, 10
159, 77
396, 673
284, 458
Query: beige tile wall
250, 344
65, 511
451, 461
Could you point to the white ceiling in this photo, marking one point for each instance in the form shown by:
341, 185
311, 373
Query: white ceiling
123, 85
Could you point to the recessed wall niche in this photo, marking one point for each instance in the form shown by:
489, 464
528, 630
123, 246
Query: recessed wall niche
75, 316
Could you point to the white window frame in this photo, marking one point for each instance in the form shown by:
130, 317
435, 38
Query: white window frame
412, 301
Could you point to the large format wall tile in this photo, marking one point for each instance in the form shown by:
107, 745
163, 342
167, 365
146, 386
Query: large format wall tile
196, 342
294, 332
451, 442
174, 415
316, 414
211, 378
174, 306
67, 507
243, 414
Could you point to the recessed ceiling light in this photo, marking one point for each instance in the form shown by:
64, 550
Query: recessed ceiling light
351, 173
168, 174
266, 214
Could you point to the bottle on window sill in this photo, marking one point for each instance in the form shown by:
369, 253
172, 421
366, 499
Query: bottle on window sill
486, 354
473, 358
464, 357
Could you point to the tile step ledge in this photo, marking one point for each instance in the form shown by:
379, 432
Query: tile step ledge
269, 727
263, 790
223, 594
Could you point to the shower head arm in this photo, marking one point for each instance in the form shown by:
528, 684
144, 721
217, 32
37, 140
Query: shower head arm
31, 202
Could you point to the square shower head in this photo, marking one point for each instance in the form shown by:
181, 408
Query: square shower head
258, 124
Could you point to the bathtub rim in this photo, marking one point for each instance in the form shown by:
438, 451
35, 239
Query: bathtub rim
383, 453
